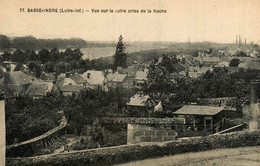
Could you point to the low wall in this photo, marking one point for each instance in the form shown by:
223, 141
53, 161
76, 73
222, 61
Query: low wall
137, 133
126, 153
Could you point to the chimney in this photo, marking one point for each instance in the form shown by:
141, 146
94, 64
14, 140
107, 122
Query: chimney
88, 75
2, 128
245, 41
67, 75
236, 40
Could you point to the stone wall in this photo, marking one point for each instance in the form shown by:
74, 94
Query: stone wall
137, 133
126, 153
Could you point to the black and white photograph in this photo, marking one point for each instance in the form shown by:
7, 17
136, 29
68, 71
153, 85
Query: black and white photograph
129, 82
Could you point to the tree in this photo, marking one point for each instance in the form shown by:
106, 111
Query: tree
68, 55
170, 63
49, 67
31, 55
1, 73
18, 56
4, 42
234, 62
120, 58
61, 67
44, 55
36, 68
77, 54
7, 56
55, 55
18, 67
158, 86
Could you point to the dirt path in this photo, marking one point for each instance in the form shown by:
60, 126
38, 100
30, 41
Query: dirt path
220, 157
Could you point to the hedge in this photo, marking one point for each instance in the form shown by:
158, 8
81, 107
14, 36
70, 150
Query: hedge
126, 153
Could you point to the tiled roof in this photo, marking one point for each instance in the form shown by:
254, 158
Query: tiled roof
8, 94
211, 59
118, 77
198, 110
95, 77
138, 100
77, 78
141, 75
40, 88
18, 77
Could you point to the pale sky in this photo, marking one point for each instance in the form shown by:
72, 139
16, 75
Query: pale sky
201, 20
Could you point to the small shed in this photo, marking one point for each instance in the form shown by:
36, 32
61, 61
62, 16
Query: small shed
209, 114
138, 102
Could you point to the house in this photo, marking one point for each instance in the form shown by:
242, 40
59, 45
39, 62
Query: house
71, 83
116, 79
48, 77
207, 118
71, 79
137, 105
93, 78
130, 71
223, 64
68, 90
197, 71
141, 77
8, 94
253, 65
18, 82
40, 89
210, 61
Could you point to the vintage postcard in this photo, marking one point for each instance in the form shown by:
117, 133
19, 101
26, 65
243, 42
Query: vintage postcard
129, 82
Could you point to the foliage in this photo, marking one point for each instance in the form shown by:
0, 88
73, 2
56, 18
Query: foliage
49, 67
19, 67
27, 118
4, 42
234, 62
35, 68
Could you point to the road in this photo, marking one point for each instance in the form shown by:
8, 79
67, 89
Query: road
219, 157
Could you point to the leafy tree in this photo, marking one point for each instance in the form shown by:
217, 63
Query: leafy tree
31, 55
4, 42
49, 67
27, 42
240, 54
19, 67
7, 56
120, 55
55, 55
77, 54
68, 55
36, 68
1, 73
234, 62
18, 56
44, 55
159, 86
170, 63
61, 67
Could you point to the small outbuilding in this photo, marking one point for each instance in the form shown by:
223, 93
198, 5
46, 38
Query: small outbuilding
207, 117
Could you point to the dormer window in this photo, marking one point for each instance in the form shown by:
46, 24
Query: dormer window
88, 75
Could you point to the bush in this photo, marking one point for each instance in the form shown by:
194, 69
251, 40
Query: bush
113, 155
